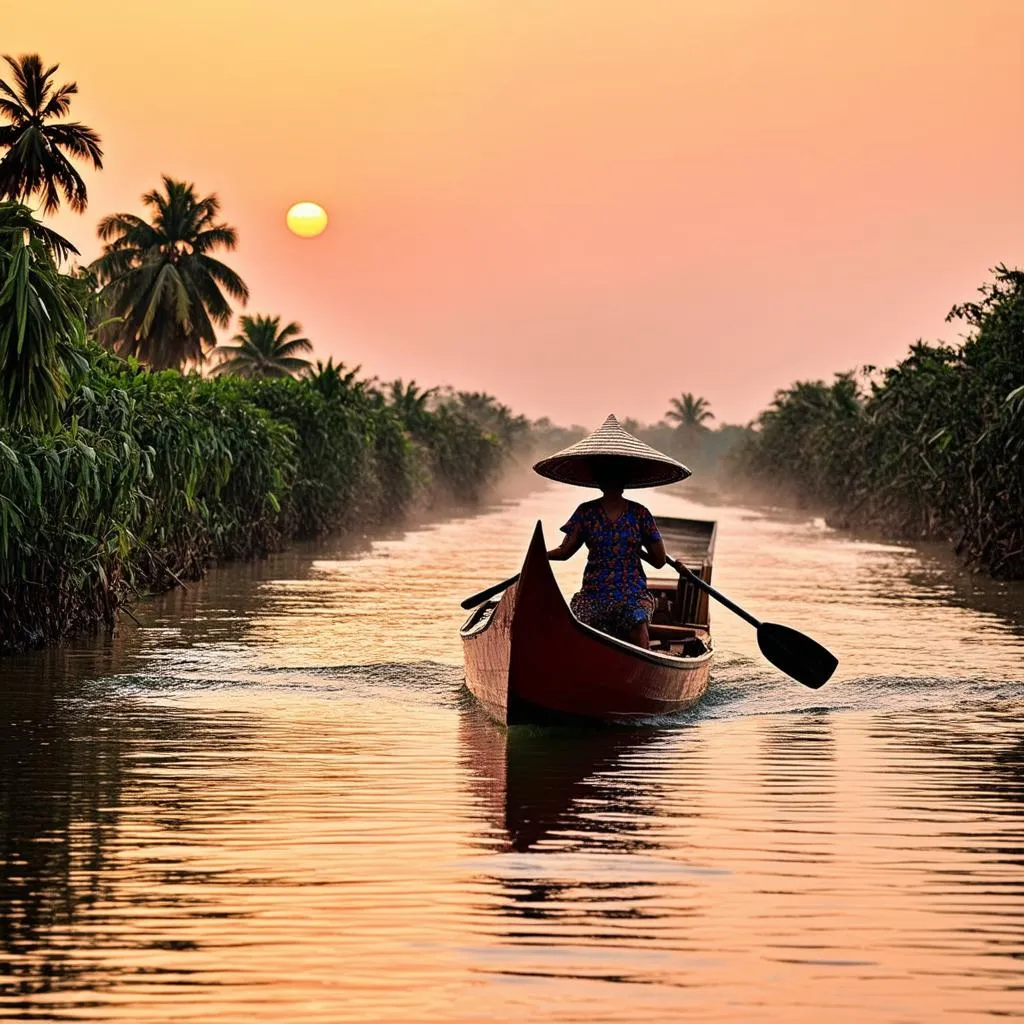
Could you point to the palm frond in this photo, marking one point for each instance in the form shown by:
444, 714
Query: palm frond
12, 109
289, 348
59, 103
125, 225
211, 238
15, 96
205, 289
225, 277
79, 140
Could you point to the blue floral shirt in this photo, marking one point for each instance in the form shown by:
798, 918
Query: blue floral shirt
614, 574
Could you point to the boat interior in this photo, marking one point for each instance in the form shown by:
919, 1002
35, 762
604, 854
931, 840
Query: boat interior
680, 623
670, 634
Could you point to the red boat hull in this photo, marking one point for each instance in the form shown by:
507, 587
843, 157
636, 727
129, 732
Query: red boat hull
529, 659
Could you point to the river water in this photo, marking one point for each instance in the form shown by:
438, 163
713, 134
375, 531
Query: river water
273, 800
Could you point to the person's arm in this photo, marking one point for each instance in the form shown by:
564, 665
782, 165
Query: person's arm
571, 543
650, 536
656, 552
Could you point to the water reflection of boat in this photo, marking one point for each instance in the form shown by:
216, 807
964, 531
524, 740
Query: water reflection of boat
534, 781
529, 659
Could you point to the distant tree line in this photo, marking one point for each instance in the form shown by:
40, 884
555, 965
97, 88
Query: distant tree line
685, 433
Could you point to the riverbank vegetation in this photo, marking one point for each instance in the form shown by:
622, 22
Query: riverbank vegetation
930, 448
116, 480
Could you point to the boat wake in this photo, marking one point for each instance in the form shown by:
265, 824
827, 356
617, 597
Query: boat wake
740, 688
432, 683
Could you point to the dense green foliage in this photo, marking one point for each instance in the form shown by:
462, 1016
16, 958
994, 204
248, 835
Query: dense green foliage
932, 447
116, 480
149, 477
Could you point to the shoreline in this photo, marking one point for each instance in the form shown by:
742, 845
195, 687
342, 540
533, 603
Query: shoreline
509, 486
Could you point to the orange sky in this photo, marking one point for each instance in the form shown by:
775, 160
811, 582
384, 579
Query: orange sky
581, 206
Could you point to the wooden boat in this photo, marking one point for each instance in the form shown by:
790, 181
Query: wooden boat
530, 660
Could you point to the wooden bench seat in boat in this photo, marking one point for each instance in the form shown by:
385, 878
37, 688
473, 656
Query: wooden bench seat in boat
689, 641
660, 631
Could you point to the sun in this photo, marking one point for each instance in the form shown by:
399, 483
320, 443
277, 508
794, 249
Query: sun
307, 220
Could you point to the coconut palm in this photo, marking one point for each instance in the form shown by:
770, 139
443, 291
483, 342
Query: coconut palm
39, 146
689, 412
162, 280
337, 383
263, 348
410, 401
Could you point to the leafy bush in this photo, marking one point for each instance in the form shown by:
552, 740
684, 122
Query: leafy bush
216, 466
69, 505
333, 485
40, 323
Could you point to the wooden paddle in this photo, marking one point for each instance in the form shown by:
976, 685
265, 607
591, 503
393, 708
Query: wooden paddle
790, 651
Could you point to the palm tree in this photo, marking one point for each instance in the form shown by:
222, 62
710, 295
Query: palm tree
689, 412
337, 383
38, 150
162, 280
410, 402
263, 348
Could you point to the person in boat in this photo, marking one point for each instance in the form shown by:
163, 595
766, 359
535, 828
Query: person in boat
614, 597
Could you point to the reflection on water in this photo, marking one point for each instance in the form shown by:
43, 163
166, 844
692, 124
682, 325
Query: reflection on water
533, 779
273, 802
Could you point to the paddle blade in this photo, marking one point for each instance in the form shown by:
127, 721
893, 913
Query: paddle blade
796, 654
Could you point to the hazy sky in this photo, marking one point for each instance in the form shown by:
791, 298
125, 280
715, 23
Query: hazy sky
581, 206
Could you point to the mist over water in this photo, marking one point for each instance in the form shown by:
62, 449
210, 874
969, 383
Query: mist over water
275, 801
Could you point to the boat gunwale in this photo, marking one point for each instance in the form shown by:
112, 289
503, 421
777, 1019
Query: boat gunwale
472, 626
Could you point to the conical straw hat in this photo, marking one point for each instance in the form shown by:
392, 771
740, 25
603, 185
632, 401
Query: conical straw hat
634, 463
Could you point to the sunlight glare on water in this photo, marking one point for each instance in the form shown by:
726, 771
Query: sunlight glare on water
274, 801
